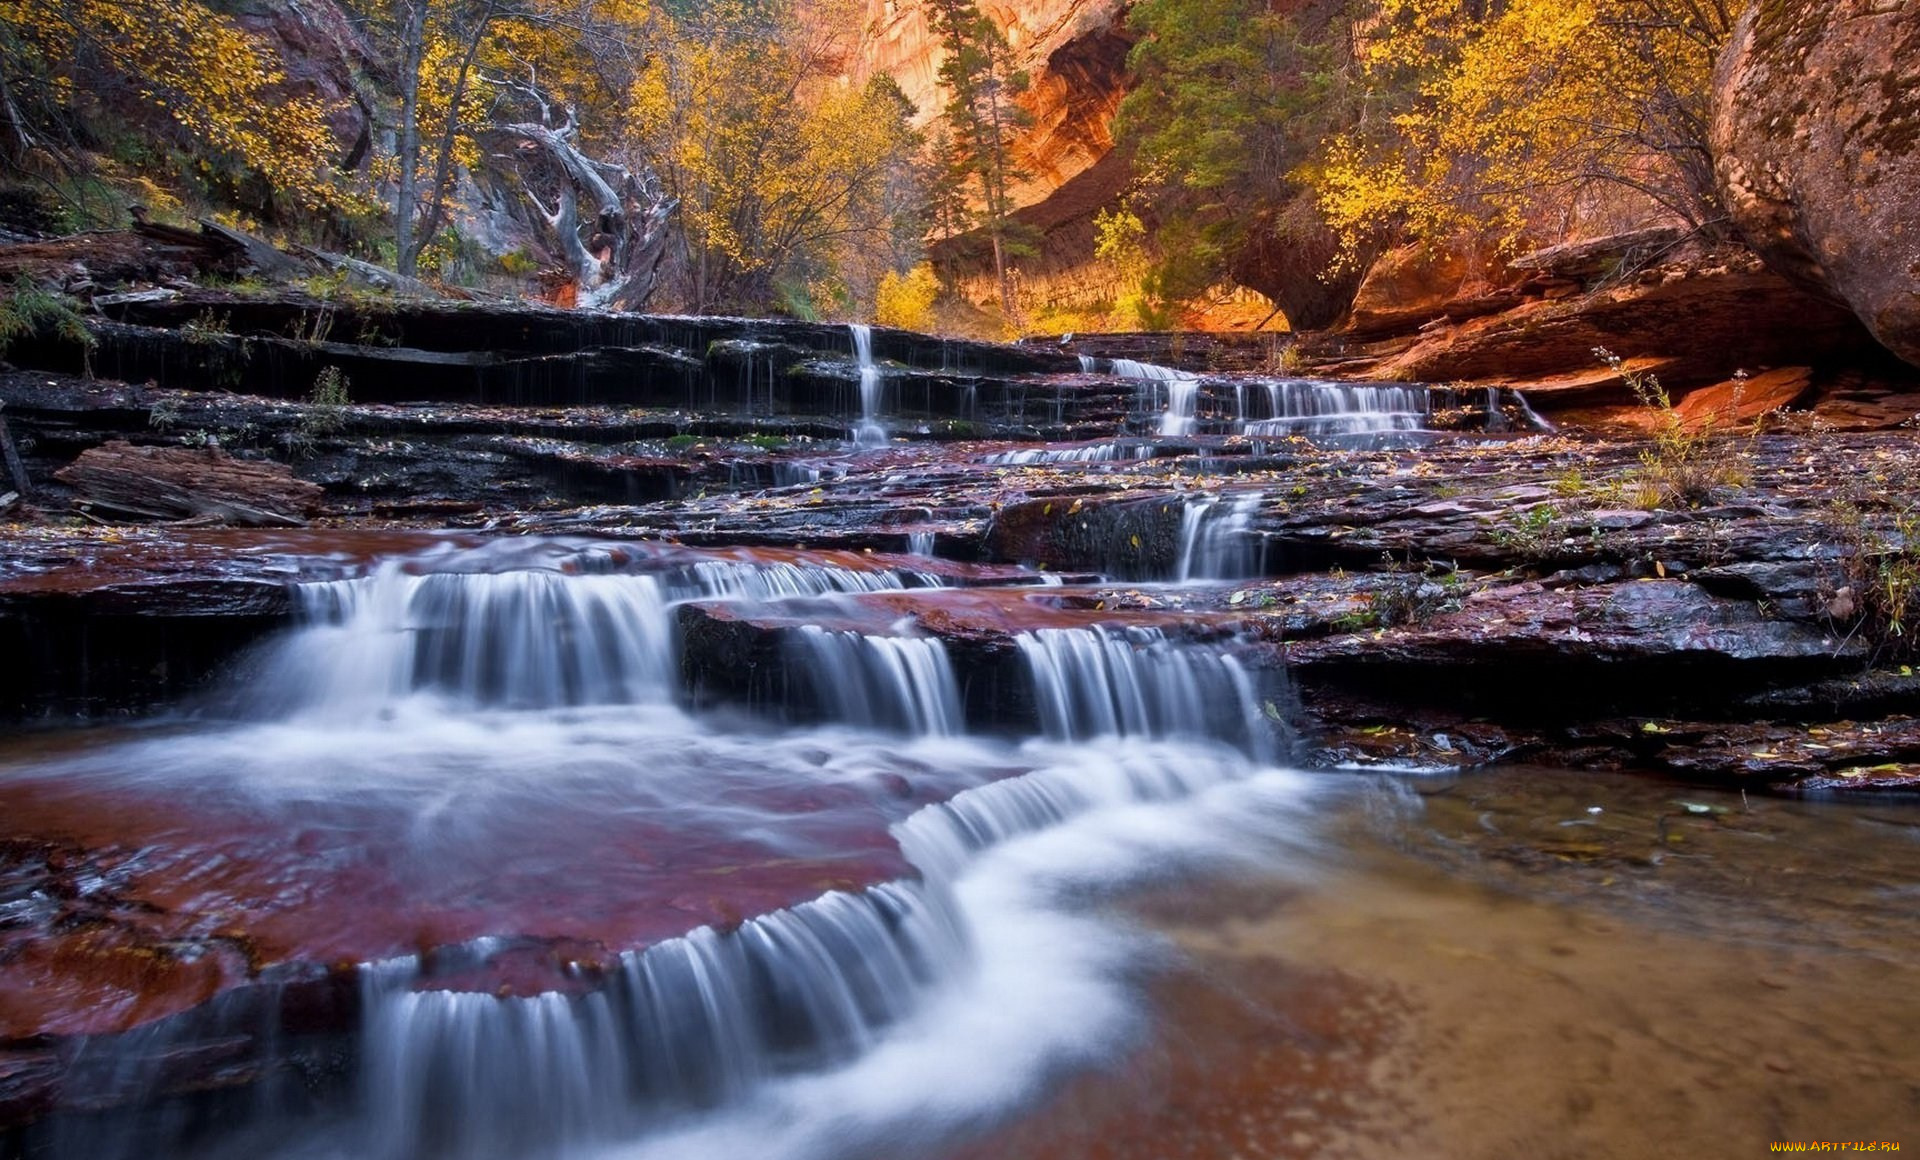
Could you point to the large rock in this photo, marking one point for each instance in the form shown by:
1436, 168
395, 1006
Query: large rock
1816, 131
321, 55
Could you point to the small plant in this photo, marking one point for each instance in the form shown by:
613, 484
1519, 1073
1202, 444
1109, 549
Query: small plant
325, 413
682, 442
28, 310
1292, 361
313, 326
164, 415
1685, 465
371, 335
205, 328
1881, 593
1531, 534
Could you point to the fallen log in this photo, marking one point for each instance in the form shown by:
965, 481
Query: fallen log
185, 483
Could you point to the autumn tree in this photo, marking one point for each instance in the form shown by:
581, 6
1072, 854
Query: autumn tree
79, 77
1539, 118
777, 165
979, 74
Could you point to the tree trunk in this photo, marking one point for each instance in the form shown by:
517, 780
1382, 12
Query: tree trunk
630, 217
413, 46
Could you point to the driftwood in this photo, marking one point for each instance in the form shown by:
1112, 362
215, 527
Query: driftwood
613, 251
184, 483
265, 258
1598, 257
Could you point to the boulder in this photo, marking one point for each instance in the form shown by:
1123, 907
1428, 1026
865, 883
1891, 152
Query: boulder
1816, 135
1703, 319
1741, 400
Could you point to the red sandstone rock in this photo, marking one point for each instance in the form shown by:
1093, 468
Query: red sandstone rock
1816, 135
1741, 400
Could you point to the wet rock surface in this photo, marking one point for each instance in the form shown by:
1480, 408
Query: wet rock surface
1405, 577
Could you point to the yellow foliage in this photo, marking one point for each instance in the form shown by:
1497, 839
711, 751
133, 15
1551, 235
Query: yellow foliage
1515, 120
906, 300
773, 158
205, 74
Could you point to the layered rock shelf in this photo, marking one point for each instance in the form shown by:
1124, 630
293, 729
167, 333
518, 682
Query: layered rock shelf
1384, 575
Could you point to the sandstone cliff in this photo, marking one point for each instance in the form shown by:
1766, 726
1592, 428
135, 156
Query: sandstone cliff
1075, 53
1816, 132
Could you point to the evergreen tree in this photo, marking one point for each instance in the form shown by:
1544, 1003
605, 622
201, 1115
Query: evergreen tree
1232, 98
982, 120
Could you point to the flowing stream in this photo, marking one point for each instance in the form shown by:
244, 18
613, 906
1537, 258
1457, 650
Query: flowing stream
645, 930
578, 917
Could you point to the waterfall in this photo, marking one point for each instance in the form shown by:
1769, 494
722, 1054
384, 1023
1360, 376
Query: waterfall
1088, 364
1183, 393
568, 850
686, 1024
883, 682
837, 1026
1307, 407
1216, 540
1526, 409
525, 638
1099, 682
1085, 453
920, 543
870, 433
521, 639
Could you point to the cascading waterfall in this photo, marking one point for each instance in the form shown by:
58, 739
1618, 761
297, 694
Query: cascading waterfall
839, 1026
1086, 453
1099, 682
1532, 416
689, 1023
870, 433
1183, 393
1216, 540
884, 682
784, 1035
1308, 407
520, 639
524, 638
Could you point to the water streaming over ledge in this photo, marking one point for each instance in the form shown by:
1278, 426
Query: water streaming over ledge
883, 682
870, 432
1217, 540
526, 681
1137, 683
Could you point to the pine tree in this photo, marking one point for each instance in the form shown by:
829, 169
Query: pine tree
983, 119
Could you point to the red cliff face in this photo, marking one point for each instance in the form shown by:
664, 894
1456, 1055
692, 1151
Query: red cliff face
1075, 54
1816, 136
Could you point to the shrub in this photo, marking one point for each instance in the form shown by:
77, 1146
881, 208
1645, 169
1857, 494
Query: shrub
326, 406
906, 300
1686, 465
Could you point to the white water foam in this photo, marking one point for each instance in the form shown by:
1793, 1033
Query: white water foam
1183, 392
870, 432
